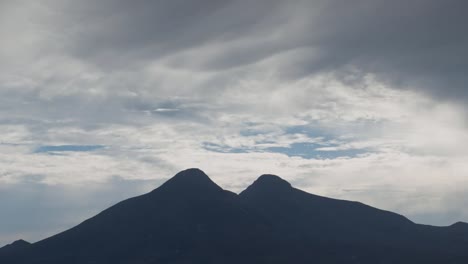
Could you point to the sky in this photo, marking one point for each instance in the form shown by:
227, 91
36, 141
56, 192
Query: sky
362, 100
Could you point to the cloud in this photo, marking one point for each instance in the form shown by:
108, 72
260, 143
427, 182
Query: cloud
418, 45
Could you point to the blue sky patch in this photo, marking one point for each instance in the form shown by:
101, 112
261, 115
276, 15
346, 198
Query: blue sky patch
222, 149
304, 150
309, 151
67, 148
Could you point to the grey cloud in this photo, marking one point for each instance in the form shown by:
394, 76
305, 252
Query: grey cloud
417, 44
122, 33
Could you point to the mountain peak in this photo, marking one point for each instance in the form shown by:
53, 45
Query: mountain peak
192, 175
17, 245
268, 182
20, 242
191, 179
460, 225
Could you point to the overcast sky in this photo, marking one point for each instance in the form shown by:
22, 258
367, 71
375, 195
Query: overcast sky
103, 100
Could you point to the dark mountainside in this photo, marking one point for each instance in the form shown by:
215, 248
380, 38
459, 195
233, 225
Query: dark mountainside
190, 219
14, 247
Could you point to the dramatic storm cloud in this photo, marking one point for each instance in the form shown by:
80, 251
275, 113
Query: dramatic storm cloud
362, 100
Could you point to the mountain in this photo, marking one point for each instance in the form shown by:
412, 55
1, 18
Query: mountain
14, 247
337, 231
190, 219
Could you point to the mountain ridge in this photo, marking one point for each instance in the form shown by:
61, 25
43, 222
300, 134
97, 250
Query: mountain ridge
14, 246
190, 219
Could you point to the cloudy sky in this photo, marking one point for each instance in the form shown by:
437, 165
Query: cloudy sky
103, 100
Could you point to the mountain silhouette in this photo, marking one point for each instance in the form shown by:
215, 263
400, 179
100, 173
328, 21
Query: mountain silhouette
190, 219
348, 232
14, 247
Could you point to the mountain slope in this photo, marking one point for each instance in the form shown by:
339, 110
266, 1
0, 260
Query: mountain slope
319, 216
190, 219
187, 218
14, 247
350, 232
